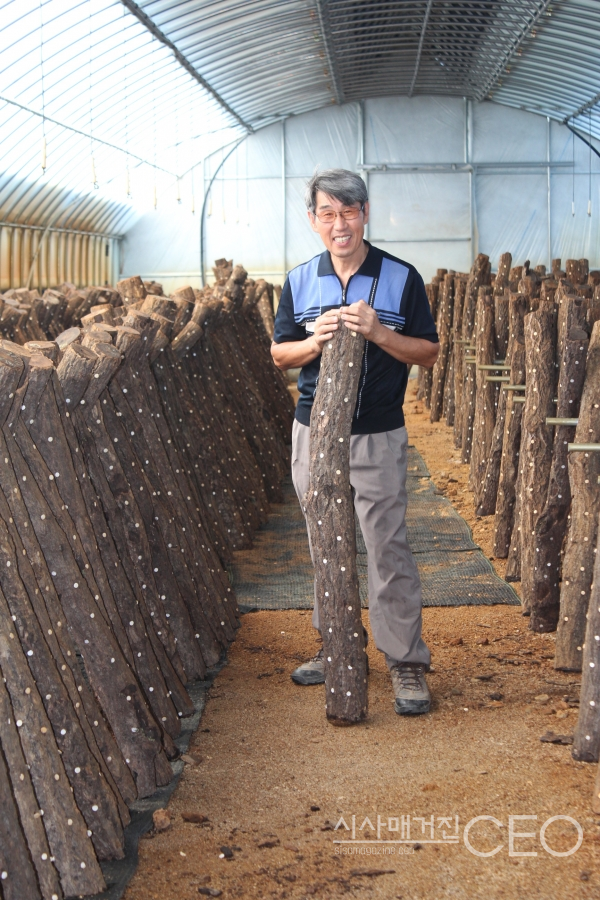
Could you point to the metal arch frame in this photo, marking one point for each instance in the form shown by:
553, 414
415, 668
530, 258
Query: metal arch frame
420, 47
265, 61
183, 61
323, 22
203, 212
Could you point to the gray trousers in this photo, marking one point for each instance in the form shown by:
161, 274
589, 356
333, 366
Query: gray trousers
378, 478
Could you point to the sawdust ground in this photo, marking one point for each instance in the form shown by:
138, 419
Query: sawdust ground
273, 778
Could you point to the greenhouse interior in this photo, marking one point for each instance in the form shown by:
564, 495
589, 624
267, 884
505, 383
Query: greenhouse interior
300, 332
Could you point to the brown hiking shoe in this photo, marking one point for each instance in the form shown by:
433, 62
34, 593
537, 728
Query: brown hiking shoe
410, 688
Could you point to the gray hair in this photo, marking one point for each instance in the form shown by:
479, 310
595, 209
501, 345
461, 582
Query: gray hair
344, 185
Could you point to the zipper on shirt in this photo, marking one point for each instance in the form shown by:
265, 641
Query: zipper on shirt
365, 355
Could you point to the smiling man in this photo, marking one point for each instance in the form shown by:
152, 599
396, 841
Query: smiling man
384, 299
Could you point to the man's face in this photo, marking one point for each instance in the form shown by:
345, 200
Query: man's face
342, 237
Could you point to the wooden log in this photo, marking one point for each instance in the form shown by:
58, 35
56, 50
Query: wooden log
131, 721
209, 436
168, 549
264, 293
501, 301
449, 406
537, 438
444, 329
93, 794
50, 613
478, 276
487, 503
19, 878
485, 396
132, 289
49, 616
509, 461
551, 527
584, 470
154, 429
432, 291
460, 285
586, 742
27, 804
144, 649
330, 517
64, 824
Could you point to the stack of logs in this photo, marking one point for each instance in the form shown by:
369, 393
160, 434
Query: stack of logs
518, 380
143, 438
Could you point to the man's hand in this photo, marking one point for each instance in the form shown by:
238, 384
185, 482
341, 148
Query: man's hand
362, 318
325, 326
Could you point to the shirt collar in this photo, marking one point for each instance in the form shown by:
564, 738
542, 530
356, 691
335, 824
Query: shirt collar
370, 267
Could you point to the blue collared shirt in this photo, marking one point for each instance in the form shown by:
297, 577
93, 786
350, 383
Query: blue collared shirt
396, 291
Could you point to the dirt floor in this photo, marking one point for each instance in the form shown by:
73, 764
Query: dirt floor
267, 780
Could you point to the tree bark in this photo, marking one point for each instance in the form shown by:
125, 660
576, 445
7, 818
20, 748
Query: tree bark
552, 525
509, 462
19, 878
584, 470
330, 517
460, 285
485, 394
444, 329
586, 743
432, 290
537, 438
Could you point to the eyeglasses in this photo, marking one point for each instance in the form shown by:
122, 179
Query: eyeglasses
329, 215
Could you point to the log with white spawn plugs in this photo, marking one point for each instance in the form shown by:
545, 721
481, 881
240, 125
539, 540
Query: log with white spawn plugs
330, 517
586, 743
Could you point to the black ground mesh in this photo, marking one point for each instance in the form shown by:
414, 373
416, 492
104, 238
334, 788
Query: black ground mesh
277, 573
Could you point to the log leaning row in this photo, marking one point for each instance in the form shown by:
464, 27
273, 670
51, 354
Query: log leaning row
523, 349
138, 451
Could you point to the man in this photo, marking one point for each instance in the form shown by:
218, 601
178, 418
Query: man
384, 299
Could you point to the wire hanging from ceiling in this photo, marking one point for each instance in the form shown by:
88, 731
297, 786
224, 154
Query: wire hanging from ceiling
155, 196
126, 97
589, 210
42, 90
223, 188
573, 175
246, 185
95, 184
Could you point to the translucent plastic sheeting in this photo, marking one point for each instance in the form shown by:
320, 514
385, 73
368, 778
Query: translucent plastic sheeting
512, 214
505, 135
413, 206
429, 218
411, 130
114, 108
327, 138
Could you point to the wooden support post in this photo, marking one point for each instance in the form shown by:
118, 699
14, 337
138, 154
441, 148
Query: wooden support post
584, 470
444, 329
551, 527
509, 461
586, 743
460, 284
330, 518
537, 437
501, 301
485, 396
478, 276
424, 393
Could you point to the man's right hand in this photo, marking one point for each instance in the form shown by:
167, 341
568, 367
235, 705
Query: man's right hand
325, 326
295, 354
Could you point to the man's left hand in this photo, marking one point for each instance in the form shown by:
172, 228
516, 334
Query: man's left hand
362, 318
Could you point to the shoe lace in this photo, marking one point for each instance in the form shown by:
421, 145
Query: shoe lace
409, 675
318, 656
